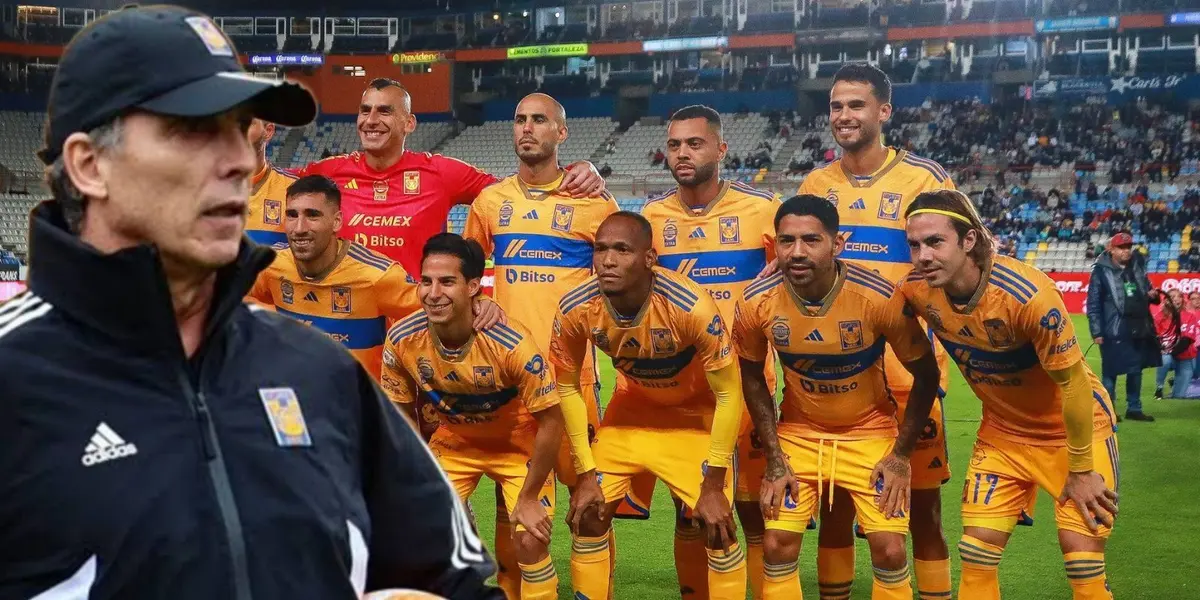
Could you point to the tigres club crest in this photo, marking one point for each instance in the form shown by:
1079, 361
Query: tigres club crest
381, 190
272, 211
662, 341
562, 217
998, 332
506, 212
729, 230
485, 377
341, 300
287, 291
831, 196
851, 334
600, 338
424, 369
934, 318
412, 182
670, 235
889, 206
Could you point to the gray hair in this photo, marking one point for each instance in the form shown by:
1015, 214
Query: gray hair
105, 137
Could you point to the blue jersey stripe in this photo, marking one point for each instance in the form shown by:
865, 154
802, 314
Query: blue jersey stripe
673, 299
267, 238
489, 402
502, 338
355, 334
831, 367
763, 285
717, 266
932, 163
745, 189
508, 332
674, 296
566, 307
1021, 282
580, 291
408, 328
992, 362
997, 280
875, 287
869, 242
870, 275
537, 250
365, 257
683, 292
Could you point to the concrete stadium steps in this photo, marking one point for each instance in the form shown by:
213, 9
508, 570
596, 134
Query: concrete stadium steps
490, 146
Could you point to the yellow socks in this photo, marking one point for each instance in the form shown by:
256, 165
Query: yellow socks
539, 581
892, 585
691, 561
980, 562
781, 582
727, 573
835, 572
933, 579
612, 559
1085, 572
590, 567
754, 564
508, 574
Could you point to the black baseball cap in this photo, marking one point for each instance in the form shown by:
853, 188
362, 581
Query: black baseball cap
163, 59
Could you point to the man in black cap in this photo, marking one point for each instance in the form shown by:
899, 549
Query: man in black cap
157, 441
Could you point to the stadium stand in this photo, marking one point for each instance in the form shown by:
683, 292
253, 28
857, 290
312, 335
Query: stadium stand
490, 146
326, 138
20, 139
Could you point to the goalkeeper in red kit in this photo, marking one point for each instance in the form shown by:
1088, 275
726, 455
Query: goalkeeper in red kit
393, 199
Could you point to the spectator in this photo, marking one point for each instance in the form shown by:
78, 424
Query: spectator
1176, 328
1118, 311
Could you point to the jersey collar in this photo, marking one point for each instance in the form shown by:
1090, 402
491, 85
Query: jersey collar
343, 249
260, 178
895, 157
826, 303
691, 211
540, 192
623, 322
449, 354
984, 276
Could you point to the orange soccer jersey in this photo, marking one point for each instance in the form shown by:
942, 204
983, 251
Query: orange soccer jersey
1012, 331
661, 354
484, 392
264, 216
351, 304
831, 352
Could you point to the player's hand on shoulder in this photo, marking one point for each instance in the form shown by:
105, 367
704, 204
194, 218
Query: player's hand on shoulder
1092, 496
488, 314
582, 180
895, 494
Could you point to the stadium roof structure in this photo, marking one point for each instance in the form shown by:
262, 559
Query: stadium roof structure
320, 7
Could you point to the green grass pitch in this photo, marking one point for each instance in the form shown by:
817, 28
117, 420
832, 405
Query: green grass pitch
1149, 555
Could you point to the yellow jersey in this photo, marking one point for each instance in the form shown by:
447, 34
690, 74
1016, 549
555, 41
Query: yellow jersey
871, 211
541, 243
268, 194
831, 351
1014, 329
660, 355
485, 391
722, 246
351, 304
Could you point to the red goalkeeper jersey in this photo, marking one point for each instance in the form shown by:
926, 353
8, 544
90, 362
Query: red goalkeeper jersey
395, 211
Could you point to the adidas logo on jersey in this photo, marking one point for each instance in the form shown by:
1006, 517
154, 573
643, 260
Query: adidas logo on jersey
937, 462
531, 215
311, 296
858, 205
106, 445
965, 332
815, 336
352, 184
696, 234
452, 376
631, 343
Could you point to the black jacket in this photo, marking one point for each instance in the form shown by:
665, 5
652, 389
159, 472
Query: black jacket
1120, 353
134, 472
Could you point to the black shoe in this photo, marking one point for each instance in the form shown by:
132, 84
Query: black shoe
1158, 393
1139, 416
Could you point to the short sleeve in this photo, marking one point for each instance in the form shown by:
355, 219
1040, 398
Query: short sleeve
710, 335
568, 341
478, 226
261, 292
396, 293
463, 182
394, 379
809, 186
748, 339
902, 330
1045, 321
533, 377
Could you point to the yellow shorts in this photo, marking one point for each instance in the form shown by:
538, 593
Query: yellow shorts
751, 464
676, 456
1004, 476
464, 464
820, 464
930, 459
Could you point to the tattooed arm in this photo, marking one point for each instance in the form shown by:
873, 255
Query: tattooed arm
894, 470
777, 479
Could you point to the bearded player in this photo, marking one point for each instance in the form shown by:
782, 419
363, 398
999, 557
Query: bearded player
264, 218
829, 321
1047, 420
396, 199
871, 185
337, 286
720, 234
541, 240
677, 406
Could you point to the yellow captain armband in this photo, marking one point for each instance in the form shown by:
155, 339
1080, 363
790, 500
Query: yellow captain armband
726, 384
1077, 415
